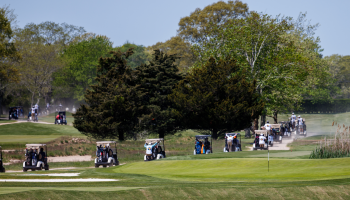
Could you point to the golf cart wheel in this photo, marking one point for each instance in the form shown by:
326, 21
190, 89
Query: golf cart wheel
116, 163
271, 145
33, 170
3, 170
280, 141
46, 167
104, 166
40, 168
24, 169
97, 166
111, 164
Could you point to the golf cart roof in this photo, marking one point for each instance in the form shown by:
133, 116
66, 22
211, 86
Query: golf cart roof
34, 146
105, 142
275, 125
261, 132
232, 133
202, 136
154, 140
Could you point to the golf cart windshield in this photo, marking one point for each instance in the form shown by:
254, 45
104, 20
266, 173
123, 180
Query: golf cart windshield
107, 144
276, 126
258, 132
158, 140
201, 137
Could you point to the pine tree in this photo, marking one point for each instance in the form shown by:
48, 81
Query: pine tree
110, 109
155, 81
217, 97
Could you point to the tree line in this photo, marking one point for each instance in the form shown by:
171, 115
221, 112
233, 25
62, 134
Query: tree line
193, 80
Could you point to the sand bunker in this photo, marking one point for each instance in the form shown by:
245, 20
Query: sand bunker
58, 180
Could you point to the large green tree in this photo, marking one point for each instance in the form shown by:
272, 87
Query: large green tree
140, 56
8, 54
81, 59
156, 81
197, 27
219, 97
111, 104
259, 44
177, 45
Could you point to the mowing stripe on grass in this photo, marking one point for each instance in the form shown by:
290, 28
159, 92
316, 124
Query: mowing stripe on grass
244, 169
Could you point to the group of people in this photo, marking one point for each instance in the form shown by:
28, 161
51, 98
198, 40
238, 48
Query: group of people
32, 157
103, 153
202, 147
300, 121
152, 149
33, 113
231, 140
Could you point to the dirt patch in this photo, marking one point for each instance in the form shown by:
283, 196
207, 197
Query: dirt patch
69, 159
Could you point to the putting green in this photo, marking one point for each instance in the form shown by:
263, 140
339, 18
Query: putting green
244, 169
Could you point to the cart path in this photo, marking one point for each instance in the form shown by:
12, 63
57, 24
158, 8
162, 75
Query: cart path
25, 122
76, 158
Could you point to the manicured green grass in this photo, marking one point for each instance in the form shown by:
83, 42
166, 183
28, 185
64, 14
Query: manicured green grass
37, 129
247, 169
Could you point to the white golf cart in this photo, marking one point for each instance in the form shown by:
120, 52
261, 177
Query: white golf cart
35, 157
106, 154
154, 149
236, 144
256, 144
201, 147
2, 168
276, 129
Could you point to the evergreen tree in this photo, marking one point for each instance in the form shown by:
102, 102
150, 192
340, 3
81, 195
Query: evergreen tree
110, 109
217, 97
155, 81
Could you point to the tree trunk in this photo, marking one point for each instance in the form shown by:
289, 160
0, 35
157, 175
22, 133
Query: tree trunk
214, 134
161, 133
121, 134
256, 124
263, 120
275, 113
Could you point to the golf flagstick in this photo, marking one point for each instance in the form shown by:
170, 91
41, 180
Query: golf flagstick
268, 155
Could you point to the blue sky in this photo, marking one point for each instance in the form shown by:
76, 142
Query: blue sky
148, 22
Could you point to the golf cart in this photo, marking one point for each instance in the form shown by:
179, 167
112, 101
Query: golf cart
276, 132
35, 157
236, 144
154, 149
106, 154
15, 112
301, 129
60, 117
256, 145
2, 168
202, 145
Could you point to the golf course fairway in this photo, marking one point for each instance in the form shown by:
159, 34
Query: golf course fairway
243, 170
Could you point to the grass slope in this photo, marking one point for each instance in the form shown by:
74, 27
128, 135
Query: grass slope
247, 169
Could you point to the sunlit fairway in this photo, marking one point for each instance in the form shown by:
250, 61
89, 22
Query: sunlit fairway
246, 169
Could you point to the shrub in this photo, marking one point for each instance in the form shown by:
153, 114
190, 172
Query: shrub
334, 148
